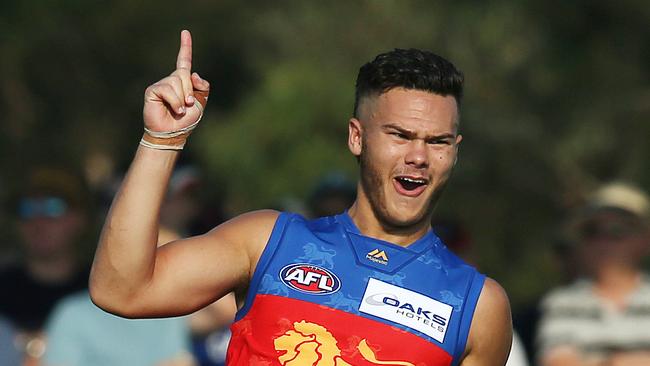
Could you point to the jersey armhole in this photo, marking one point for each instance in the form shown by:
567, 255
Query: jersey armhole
265, 258
469, 306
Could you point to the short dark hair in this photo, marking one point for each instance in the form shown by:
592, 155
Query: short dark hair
409, 69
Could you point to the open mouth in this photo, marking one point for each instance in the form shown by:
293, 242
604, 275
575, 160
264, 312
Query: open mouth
410, 186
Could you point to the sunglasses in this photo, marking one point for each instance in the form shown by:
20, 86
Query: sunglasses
609, 229
51, 207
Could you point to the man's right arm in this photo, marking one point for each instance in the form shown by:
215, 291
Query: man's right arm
131, 276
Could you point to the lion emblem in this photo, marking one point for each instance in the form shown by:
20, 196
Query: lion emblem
310, 344
322, 256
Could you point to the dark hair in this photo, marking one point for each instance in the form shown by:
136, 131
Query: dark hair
410, 69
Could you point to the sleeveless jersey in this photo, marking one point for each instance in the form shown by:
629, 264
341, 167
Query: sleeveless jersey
325, 295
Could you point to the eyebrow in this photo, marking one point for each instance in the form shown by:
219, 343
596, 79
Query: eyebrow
412, 134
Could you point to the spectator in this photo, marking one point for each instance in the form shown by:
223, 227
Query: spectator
51, 216
9, 354
183, 214
455, 237
334, 194
80, 334
603, 318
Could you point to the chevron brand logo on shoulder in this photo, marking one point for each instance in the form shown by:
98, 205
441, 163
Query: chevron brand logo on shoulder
377, 256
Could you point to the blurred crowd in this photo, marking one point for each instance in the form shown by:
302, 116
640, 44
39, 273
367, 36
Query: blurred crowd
599, 316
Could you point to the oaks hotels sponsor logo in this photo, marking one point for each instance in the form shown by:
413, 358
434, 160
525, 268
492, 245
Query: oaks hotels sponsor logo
377, 256
406, 307
310, 279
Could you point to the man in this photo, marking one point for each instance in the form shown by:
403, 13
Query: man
603, 317
51, 217
370, 286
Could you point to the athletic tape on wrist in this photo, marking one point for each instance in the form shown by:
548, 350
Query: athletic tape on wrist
174, 140
155, 146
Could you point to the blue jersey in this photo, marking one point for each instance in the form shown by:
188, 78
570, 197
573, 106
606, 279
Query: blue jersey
323, 294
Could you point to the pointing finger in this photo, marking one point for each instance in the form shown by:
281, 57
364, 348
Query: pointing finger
184, 59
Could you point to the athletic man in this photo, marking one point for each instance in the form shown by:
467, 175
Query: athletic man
371, 286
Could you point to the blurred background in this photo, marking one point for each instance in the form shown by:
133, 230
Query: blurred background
557, 101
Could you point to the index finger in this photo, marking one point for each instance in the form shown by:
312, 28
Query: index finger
184, 59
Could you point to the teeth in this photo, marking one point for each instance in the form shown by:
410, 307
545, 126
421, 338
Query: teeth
417, 181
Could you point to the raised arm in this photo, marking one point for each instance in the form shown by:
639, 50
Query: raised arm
131, 277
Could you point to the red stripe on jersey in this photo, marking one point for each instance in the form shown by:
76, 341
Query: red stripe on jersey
279, 331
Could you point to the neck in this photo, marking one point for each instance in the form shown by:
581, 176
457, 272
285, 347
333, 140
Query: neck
52, 269
616, 282
370, 225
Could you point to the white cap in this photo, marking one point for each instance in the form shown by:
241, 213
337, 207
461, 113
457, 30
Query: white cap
621, 196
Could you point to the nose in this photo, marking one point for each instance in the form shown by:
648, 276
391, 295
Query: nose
417, 154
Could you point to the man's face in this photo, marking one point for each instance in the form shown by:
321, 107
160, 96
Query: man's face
48, 226
407, 143
609, 237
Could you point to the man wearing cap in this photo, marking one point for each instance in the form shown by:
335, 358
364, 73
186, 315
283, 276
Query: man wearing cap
603, 318
50, 219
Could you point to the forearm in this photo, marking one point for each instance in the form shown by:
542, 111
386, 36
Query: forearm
125, 256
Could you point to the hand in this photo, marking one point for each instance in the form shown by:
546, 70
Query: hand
171, 103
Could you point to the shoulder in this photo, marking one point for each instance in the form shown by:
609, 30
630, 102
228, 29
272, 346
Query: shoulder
493, 301
248, 226
248, 232
490, 335
567, 295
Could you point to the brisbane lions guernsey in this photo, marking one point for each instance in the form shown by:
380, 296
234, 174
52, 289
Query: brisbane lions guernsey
325, 295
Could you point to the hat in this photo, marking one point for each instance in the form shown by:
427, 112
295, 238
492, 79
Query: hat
51, 181
620, 196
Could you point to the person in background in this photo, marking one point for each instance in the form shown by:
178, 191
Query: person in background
333, 194
185, 212
51, 215
81, 334
457, 238
603, 317
9, 354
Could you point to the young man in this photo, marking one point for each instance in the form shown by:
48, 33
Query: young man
372, 285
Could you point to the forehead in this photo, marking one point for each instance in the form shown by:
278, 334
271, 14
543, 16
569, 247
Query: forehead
413, 109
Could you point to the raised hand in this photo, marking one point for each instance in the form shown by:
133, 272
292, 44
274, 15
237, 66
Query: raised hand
177, 101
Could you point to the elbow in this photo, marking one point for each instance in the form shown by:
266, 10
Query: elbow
112, 305
109, 299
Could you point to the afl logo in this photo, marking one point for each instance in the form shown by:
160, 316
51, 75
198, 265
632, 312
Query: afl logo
310, 279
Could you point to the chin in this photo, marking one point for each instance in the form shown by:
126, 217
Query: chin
405, 217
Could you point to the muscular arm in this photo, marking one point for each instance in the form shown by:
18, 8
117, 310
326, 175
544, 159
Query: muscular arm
490, 335
131, 277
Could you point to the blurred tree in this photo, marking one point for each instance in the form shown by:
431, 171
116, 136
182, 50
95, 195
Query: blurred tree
557, 98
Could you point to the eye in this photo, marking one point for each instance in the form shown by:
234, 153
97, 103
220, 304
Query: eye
439, 142
399, 135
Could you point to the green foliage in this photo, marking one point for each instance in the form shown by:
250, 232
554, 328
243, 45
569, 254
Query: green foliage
556, 98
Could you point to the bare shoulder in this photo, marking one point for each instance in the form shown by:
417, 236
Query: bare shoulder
249, 231
490, 335
255, 220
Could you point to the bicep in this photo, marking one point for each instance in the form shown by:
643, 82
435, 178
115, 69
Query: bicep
191, 273
490, 336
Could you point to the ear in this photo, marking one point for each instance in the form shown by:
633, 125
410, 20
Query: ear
355, 142
459, 138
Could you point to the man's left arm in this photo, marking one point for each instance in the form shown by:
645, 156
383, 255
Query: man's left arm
490, 335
